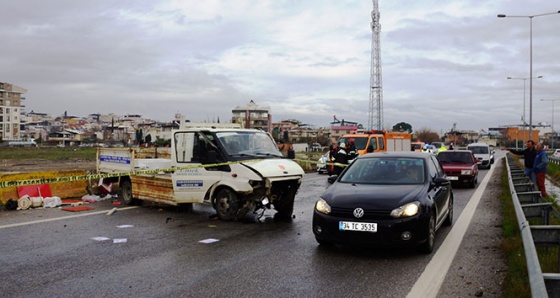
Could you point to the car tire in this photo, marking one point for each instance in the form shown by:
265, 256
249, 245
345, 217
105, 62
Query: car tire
474, 182
428, 246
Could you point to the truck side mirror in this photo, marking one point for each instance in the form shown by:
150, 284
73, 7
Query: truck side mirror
369, 149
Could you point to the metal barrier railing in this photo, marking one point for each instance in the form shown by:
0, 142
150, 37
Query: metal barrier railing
529, 204
554, 160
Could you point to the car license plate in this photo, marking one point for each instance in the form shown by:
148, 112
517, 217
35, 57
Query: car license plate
357, 226
452, 177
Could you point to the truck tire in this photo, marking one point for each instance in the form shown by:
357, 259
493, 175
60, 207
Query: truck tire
126, 193
226, 204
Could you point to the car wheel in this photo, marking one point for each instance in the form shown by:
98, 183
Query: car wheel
226, 204
126, 193
474, 181
449, 219
428, 246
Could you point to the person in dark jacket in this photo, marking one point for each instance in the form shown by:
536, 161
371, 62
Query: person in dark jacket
332, 154
352, 151
541, 160
529, 155
341, 158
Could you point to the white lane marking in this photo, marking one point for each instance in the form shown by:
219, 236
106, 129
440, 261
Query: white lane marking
432, 278
61, 218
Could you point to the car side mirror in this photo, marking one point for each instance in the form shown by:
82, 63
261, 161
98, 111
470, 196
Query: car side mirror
332, 179
441, 181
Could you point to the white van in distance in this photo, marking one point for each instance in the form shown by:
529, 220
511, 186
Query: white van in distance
483, 153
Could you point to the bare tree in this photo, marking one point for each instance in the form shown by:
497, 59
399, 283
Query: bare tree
426, 135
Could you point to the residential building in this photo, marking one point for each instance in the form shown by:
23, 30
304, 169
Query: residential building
281, 130
253, 116
342, 127
10, 110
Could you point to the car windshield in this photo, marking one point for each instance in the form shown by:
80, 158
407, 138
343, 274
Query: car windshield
379, 170
455, 157
479, 149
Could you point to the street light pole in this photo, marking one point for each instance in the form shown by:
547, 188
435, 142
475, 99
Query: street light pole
530, 61
552, 123
524, 96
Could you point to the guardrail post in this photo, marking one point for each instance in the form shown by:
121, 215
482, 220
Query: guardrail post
538, 210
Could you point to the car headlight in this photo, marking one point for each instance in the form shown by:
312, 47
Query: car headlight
322, 206
466, 172
406, 210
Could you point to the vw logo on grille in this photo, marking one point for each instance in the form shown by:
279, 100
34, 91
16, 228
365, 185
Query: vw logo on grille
358, 212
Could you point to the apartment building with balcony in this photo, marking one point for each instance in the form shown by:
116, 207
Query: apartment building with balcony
252, 116
10, 110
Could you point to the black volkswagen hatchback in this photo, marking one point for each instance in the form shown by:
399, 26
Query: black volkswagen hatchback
386, 199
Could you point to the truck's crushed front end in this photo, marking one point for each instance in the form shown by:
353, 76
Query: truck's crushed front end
280, 181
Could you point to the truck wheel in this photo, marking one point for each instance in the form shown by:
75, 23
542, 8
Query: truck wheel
226, 204
126, 192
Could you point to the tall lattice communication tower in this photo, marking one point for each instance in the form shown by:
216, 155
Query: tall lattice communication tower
375, 112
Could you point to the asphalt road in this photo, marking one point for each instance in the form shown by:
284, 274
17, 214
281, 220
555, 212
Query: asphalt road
55, 253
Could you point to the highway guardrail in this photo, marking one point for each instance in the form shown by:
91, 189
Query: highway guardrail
528, 204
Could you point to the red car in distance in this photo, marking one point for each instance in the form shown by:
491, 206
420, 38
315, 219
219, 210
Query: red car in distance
460, 166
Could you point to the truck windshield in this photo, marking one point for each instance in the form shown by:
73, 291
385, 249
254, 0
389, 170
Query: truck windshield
248, 143
359, 142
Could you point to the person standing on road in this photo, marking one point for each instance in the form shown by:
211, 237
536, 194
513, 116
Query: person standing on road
352, 152
340, 158
332, 154
541, 160
529, 154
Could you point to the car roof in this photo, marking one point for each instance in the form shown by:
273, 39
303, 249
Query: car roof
478, 144
409, 154
457, 150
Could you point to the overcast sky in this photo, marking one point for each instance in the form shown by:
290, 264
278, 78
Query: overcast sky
443, 62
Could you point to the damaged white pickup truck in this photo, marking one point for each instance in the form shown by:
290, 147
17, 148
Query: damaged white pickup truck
235, 170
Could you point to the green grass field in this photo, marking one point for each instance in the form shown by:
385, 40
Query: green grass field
48, 153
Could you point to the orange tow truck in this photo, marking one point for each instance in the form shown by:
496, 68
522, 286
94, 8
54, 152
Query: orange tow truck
378, 141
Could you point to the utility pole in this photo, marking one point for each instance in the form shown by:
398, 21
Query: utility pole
375, 111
